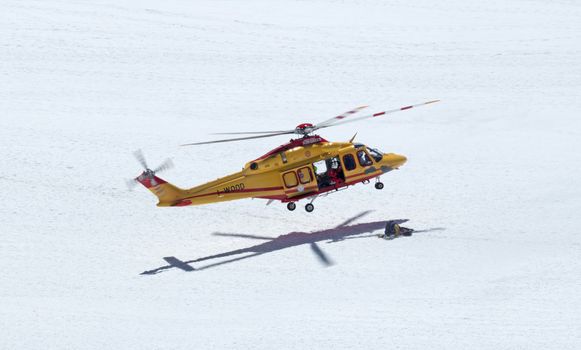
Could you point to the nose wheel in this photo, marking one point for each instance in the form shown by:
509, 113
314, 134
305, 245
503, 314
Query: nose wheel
379, 185
291, 206
309, 207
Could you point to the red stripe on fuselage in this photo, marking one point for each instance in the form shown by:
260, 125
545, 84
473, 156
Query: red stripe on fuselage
295, 190
265, 189
323, 190
277, 198
182, 203
361, 179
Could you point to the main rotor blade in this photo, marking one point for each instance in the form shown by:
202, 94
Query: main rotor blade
237, 139
251, 132
326, 122
168, 164
380, 114
339, 117
140, 158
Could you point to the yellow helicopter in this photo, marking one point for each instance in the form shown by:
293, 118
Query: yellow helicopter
304, 168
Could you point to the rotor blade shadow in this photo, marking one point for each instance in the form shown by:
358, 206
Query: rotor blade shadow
221, 234
356, 217
431, 229
227, 261
346, 238
321, 255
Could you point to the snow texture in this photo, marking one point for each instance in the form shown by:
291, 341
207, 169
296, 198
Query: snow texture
492, 182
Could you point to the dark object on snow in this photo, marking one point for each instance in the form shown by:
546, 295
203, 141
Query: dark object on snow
394, 230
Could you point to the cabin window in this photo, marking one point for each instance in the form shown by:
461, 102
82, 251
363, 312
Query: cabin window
305, 175
349, 162
364, 159
290, 179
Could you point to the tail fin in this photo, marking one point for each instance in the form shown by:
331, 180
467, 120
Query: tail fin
167, 193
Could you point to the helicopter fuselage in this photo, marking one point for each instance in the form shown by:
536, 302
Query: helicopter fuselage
302, 168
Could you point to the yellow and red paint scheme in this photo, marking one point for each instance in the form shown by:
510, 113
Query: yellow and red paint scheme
271, 176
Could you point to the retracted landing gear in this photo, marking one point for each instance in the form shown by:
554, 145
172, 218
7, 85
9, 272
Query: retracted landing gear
291, 206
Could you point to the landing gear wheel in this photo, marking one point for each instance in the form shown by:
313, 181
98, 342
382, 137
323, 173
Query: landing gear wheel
309, 207
379, 185
291, 206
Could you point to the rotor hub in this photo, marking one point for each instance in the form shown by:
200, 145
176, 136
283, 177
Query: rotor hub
304, 129
146, 174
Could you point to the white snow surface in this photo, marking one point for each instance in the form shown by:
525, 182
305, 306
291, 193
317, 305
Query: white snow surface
492, 179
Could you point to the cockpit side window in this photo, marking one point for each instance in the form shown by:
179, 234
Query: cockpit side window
375, 154
364, 159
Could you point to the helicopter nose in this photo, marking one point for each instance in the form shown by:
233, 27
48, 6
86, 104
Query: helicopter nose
395, 160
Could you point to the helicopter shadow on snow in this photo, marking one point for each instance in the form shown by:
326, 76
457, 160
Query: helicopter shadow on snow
346, 230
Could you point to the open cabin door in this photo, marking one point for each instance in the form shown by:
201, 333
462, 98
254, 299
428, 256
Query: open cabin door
329, 173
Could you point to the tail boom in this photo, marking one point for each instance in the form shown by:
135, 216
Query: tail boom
166, 193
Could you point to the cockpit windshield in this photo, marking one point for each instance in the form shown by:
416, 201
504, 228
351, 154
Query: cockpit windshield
376, 154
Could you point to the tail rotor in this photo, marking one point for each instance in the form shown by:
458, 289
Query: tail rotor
148, 174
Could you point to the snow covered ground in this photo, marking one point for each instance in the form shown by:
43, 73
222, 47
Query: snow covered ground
492, 177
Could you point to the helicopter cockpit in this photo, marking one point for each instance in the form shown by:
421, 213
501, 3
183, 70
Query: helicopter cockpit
375, 153
390, 160
363, 158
